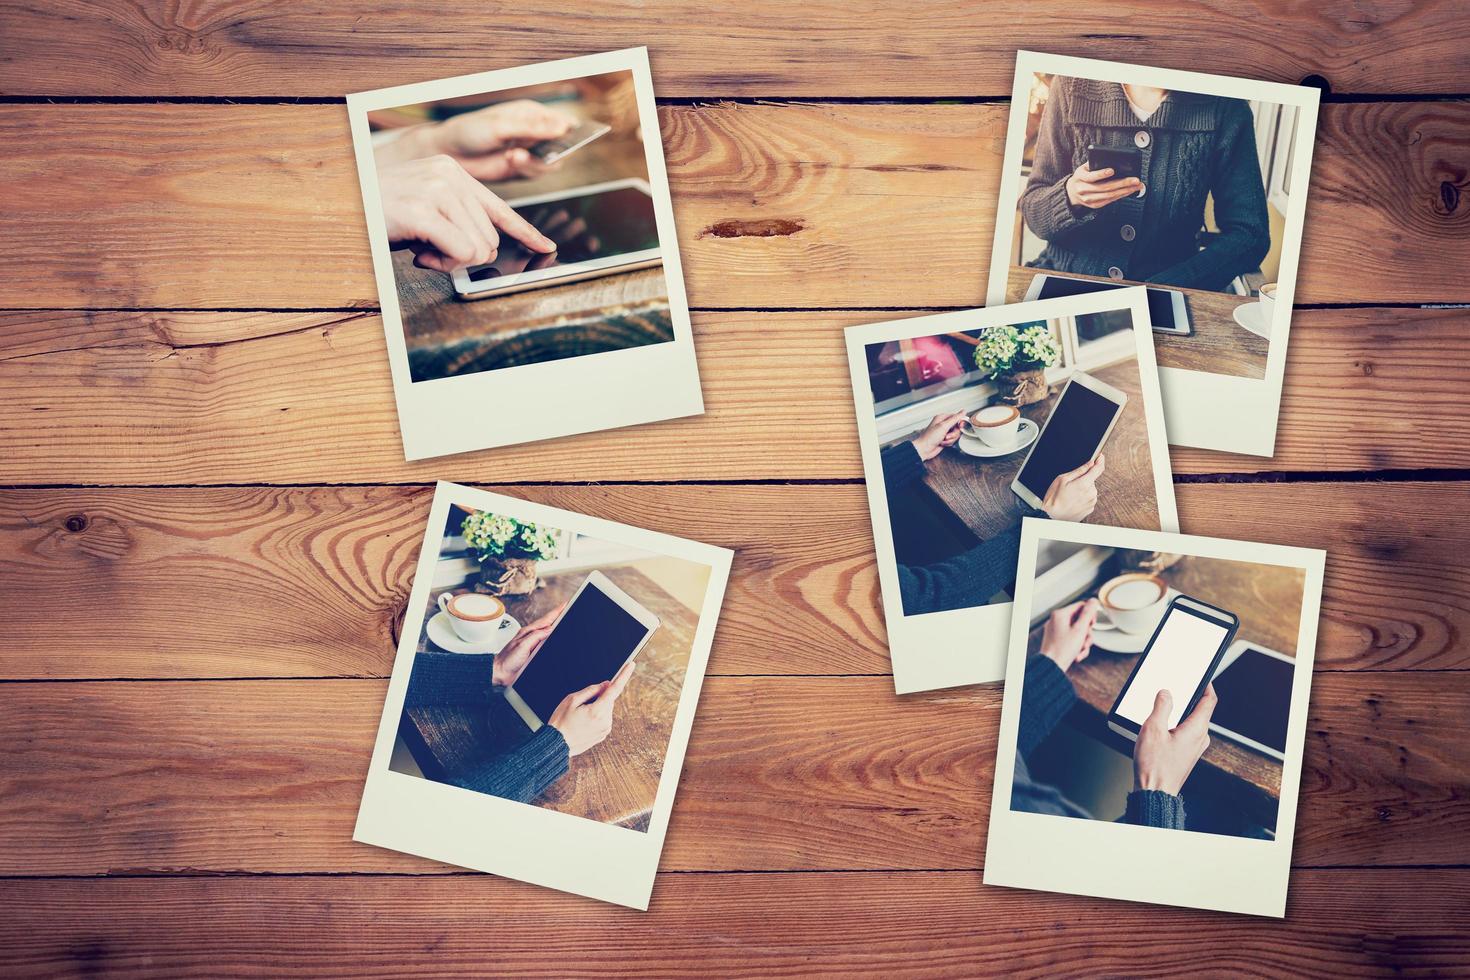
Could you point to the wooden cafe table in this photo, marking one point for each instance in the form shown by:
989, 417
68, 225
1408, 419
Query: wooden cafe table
616, 780
978, 490
1218, 344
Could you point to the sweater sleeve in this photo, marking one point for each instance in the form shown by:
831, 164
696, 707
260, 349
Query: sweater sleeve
901, 466
523, 773
1044, 203
1046, 697
448, 679
1239, 198
967, 579
1155, 808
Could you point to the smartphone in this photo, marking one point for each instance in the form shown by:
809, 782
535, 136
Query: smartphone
599, 631
1073, 434
1167, 311
551, 151
1126, 161
1254, 687
1181, 657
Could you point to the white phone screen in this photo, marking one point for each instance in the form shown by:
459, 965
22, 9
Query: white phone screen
1176, 661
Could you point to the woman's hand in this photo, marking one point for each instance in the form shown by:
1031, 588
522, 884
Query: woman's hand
1067, 636
1092, 188
1163, 759
585, 717
448, 218
518, 652
943, 430
491, 142
1073, 495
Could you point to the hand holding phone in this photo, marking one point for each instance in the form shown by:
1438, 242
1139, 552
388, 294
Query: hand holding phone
1110, 174
1163, 759
1180, 659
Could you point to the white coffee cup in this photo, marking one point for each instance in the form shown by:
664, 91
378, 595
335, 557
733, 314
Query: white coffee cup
997, 426
1267, 299
1132, 602
477, 618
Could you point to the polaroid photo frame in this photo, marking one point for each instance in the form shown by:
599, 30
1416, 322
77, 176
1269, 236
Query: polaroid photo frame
1117, 860
1192, 399
558, 850
967, 646
591, 392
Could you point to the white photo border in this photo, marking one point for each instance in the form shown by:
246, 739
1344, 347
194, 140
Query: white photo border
967, 646
1192, 399
1112, 860
594, 392
558, 850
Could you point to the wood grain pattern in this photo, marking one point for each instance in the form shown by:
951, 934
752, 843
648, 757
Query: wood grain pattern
929, 48
759, 190
1339, 922
264, 776
311, 582
191, 397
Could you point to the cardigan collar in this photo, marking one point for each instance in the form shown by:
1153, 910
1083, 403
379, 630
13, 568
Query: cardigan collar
1099, 103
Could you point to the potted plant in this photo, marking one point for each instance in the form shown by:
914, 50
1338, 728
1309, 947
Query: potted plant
508, 550
1016, 358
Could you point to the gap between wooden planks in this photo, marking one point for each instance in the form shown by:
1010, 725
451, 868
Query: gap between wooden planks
312, 581
826, 47
794, 773
778, 205
192, 397
1338, 922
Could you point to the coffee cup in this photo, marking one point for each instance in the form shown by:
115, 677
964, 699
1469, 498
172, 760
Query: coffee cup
478, 618
995, 425
1131, 603
1267, 299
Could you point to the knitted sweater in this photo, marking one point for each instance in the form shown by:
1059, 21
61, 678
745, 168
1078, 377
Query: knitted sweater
1193, 146
1046, 697
514, 767
968, 579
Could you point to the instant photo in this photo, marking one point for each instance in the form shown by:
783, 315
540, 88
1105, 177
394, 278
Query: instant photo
542, 697
971, 421
1192, 185
1154, 714
524, 248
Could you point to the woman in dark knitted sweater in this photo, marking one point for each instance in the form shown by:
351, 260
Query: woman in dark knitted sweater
523, 767
1147, 229
1162, 758
972, 577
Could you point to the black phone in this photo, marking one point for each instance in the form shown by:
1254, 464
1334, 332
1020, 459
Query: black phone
1181, 657
1126, 161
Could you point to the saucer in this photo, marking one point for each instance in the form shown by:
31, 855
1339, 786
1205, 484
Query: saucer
1116, 641
973, 446
445, 638
1248, 315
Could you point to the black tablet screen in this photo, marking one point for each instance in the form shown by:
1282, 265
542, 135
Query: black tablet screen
1255, 698
1160, 301
590, 642
1072, 435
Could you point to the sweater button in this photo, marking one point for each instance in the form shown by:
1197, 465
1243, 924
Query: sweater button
1114, 272
1140, 139
1128, 233
1142, 188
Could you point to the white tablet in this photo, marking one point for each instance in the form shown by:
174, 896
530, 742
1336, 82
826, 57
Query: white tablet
1074, 433
1167, 311
599, 229
599, 631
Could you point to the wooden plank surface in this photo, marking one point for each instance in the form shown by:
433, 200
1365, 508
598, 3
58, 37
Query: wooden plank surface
191, 397
264, 776
1339, 923
759, 190
826, 48
310, 582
